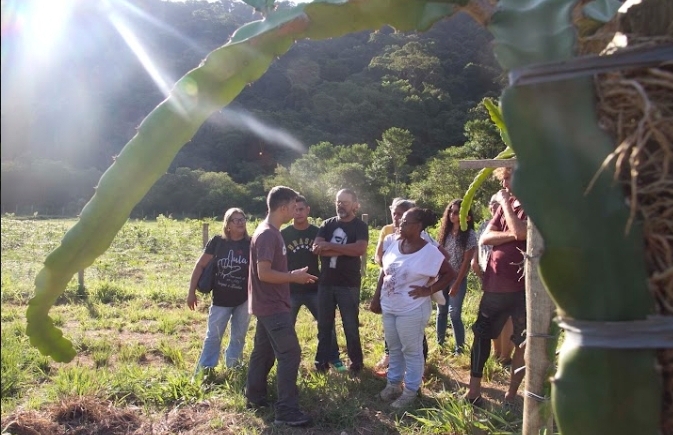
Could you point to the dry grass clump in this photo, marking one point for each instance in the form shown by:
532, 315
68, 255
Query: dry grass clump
636, 107
80, 416
93, 416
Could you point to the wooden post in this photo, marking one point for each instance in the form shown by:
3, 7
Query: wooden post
363, 262
537, 412
80, 280
204, 233
487, 163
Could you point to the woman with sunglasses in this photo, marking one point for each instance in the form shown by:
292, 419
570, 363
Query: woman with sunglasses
413, 270
230, 291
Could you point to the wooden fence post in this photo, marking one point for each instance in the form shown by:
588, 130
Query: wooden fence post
363, 262
80, 280
204, 233
540, 361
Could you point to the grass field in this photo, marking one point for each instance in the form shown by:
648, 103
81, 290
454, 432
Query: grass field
138, 344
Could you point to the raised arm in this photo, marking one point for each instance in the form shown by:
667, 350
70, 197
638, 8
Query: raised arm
517, 227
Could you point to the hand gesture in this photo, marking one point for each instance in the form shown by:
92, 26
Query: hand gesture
301, 276
503, 196
318, 247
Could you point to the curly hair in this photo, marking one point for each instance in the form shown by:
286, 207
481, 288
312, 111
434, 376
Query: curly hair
500, 173
447, 226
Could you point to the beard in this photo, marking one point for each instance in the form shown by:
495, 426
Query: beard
342, 213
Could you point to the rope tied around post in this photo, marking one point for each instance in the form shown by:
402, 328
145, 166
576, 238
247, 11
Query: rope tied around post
536, 396
655, 332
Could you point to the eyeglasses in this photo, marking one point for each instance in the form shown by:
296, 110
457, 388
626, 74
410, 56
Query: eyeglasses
408, 222
344, 203
238, 220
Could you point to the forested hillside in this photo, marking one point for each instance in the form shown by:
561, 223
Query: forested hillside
386, 113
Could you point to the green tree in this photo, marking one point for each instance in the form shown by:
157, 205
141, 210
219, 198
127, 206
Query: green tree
411, 62
483, 138
440, 180
389, 165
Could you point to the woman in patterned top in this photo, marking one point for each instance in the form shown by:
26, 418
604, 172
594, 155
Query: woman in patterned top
461, 246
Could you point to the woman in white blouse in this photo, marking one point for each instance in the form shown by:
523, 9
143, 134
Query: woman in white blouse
413, 270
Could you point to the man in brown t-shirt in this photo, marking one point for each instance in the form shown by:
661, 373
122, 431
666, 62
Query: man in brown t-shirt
269, 300
504, 288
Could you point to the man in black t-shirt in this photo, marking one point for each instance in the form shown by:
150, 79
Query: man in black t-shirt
339, 284
298, 239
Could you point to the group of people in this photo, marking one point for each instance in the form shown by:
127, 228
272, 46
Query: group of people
275, 272
281, 274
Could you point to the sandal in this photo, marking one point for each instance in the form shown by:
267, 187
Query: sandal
506, 362
509, 406
381, 373
477, 402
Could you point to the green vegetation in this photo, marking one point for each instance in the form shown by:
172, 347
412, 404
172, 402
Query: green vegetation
581, 218
137, 345
346, 91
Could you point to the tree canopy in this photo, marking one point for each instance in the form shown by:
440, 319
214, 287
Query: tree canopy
371, 110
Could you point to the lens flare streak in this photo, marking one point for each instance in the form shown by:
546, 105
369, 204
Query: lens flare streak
246, 122
144, 58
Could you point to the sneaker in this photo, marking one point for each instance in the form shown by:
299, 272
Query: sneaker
321, 367
383, 362
406, 398
391, 392
295, 419
339, 366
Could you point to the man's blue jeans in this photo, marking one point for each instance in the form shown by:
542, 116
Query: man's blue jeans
310, 301
275, 339
218, 318
347, 299
453, 309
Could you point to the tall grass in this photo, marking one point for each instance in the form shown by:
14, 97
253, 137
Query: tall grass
138, 343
